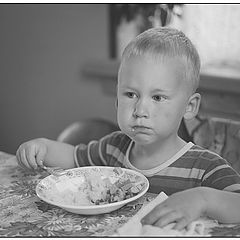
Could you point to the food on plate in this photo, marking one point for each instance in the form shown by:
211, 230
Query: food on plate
96, 187
102, 190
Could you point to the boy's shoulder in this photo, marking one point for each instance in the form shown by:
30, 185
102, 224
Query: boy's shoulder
202, 153
201, 158
117, 137
116, 141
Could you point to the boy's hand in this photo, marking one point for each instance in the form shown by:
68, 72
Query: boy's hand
31, 154
180, 208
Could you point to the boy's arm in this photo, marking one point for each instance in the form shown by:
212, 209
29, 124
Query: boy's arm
186, 206
222, 205
59, 154
40, 151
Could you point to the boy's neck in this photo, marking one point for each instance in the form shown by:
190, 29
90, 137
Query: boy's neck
149, 156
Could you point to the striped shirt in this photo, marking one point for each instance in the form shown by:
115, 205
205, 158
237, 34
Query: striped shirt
192, 166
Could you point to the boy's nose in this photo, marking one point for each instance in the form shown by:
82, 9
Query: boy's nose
141, 110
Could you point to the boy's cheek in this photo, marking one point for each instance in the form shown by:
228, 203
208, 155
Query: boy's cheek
124, 116
124, 112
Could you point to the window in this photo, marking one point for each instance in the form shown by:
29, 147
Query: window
213, 28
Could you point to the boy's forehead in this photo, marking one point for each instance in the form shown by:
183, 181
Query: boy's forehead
175, 66
146, 62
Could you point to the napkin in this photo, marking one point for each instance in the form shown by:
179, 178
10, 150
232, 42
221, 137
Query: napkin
134, 227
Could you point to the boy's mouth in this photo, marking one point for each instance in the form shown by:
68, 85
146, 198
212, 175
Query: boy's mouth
139, 128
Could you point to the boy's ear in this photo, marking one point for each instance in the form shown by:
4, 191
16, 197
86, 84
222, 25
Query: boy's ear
193, 106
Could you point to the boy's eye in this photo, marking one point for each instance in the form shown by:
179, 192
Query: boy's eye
131, 94
158, 98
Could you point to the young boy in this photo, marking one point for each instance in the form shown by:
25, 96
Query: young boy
157, 82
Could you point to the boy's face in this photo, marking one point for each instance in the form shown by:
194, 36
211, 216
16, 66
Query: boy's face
152, 99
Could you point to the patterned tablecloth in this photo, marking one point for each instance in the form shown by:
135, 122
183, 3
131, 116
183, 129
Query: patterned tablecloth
23, 214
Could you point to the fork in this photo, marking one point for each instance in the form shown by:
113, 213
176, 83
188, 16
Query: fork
56, 171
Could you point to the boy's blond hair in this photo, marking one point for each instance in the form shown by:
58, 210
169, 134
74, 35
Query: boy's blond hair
163, 42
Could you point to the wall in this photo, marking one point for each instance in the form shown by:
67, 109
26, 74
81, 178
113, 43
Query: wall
43, 48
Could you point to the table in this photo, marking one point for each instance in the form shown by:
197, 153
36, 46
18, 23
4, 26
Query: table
23, 214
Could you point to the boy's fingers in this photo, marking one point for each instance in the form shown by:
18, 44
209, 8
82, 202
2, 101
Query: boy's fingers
40, 156
154, 215
30, 156
181, 223
23, 159
167, 219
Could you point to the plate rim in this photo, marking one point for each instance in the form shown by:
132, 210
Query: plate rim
93, 207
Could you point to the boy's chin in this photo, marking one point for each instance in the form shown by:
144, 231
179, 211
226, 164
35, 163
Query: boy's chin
143, 139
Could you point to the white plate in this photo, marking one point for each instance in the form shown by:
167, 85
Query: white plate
69, 193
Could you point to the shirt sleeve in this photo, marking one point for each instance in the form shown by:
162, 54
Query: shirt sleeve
221, 175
